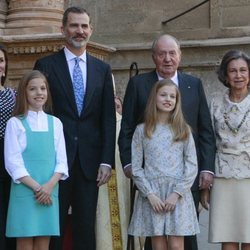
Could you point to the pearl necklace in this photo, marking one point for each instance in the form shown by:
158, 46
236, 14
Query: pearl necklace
236, 129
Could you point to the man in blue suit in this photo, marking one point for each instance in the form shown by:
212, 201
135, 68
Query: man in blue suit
89, 128
166, 55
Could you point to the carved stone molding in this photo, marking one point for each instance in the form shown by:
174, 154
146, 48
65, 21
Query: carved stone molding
36, 3
47, 43
36, 16
3, 13
24, 50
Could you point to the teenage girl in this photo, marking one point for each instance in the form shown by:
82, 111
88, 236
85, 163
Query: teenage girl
164, 167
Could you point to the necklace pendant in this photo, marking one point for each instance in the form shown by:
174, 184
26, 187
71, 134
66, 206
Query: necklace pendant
235, 131
234, 109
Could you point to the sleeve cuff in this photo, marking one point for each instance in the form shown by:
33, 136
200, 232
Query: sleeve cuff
207, 171
19, 173
62, 170
128, 165
105, 165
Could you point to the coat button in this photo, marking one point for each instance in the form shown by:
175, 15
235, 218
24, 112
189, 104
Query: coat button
76, 138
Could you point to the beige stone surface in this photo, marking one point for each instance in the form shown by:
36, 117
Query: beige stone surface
205, 33
36, 16
203, 236
118, 21
3, 13
24, 50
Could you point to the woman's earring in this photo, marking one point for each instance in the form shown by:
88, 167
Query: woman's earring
3, 74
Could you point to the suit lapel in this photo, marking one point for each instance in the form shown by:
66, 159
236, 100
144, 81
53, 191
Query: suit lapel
184, 86
152, 79
90, 82
186, 93
180, 82
65, 80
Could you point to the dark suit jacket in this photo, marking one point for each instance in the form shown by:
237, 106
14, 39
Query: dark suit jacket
195, 110
92, 135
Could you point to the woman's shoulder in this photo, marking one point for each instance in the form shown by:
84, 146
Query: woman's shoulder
218, 98
140, 126
9, 91
139, 130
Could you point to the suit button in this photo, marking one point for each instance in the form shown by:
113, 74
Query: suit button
76, 138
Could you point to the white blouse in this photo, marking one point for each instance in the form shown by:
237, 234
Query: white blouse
231, 122
15, 144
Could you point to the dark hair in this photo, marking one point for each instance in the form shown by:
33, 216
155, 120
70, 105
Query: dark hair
73, 9
4, 50
227, 58
21, 107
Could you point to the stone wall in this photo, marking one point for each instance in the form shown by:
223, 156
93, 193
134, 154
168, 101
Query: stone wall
139, 21
130, 26
30, 29
205, 33
199, 57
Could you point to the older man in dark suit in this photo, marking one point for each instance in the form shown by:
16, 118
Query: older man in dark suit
166, 55
83, 99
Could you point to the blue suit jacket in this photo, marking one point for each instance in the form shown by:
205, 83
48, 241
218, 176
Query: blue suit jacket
92, 135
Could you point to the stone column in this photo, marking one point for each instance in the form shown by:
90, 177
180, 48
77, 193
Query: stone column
34, 16
3, 13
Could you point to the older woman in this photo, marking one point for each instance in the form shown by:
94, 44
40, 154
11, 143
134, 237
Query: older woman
7, 101
230, 202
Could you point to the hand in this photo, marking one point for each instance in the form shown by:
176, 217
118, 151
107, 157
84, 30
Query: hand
171, 201
128, 172
46, 202
156, 203
205, 180
104, 174
205, 198
43, 195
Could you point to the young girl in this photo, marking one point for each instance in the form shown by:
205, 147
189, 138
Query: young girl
35, 158
164, 167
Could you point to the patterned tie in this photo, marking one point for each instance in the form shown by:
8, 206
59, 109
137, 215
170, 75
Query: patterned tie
78, 85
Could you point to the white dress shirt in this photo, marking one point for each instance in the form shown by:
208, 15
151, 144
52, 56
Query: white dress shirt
15, 143
70, 58
174, 78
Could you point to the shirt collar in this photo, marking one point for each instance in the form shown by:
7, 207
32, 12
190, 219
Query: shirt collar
174, 78
241, 106
35, 113
70, 56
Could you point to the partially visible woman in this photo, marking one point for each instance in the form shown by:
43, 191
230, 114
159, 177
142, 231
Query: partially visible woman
230, 203
7, 102
113, 203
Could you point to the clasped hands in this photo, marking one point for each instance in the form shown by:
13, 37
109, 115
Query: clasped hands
43, 194
160, 206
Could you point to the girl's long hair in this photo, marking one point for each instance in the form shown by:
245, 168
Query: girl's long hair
176, 119
21, 106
